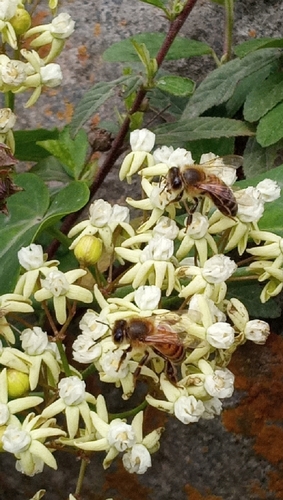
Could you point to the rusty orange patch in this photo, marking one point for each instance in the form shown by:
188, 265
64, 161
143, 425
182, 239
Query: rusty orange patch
193, 494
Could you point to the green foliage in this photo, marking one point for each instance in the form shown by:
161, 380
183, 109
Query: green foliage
32, 211
124, 51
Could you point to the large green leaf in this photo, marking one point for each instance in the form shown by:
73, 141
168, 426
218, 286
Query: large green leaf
221, 83
243, 90
258, 160
272, 217
248, 293
270, 128
124, 51
200, 128
258, 43
30, 211
263, 97
50, 169
70, 152
26, 147
95, 97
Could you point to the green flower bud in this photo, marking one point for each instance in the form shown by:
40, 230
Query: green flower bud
21, 21
18, 383
88, 250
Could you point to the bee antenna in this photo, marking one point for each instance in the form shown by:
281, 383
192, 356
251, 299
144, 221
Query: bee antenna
103, 323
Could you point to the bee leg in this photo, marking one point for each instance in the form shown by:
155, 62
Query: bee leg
123, 356
171, 372
191, 210
140, 365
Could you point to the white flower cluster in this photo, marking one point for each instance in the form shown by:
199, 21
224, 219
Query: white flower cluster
30, 71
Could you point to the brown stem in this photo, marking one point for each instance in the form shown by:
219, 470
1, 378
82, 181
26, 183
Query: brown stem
117, 145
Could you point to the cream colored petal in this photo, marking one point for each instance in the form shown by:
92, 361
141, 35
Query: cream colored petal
53, 366
142, 273
34, 371
130, 275
137, 423
53, 409
98, 445
85, 413
42, 294
111, 455
160, 404
38, 449
74, 275
20, 404
78, 227
129, 255
60, 308
99, 424
72, 418
79, 293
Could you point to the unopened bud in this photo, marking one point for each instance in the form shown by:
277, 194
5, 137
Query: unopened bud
88, 250
21, 21
18, 383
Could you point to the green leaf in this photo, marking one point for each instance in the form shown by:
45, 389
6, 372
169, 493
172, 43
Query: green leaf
165, 103
263, 97
50, 169
220, 147
29, 212
258, 43
270, 128
272, 216
221, 83
257, 159
123, 51
176, 85
161, 4
243, 90
26, 147
95, 97
71, 152
200, 128
248, 293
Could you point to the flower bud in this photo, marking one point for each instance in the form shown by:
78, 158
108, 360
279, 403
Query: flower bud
88, 250
18, 383
21, 21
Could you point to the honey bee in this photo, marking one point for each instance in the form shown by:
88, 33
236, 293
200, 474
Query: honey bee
163, 334
204, 180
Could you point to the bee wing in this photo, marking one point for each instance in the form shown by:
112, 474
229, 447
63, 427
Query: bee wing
220, 162
221, 195
164, 338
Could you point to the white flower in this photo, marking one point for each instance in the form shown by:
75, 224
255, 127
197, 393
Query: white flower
112, 366
7, 120
26, 442
218, 268
93, 325
162, 155
62, 26
86, 350
72, 390
121, 435
137, 459
159, 248
13, 73
220, 335
166, 227
7, 9
142, 140
51, 75
147, 297
269, 190
250, 204
220, 384
60, 287
257, 331
212, 407
119, 214
31, 257
100, 212
198, 227
188, 409
73, 399
34, 341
